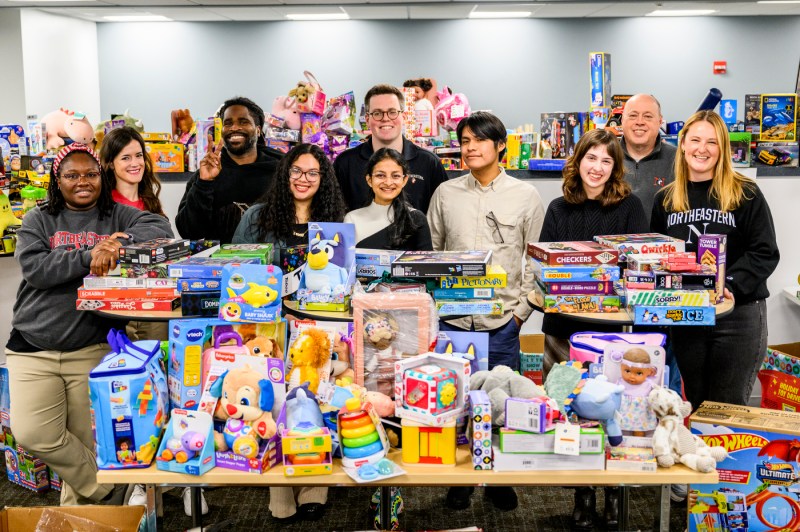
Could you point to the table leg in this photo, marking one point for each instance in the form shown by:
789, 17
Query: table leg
150, 507
386, 507
197, 506
663, 501
624, 492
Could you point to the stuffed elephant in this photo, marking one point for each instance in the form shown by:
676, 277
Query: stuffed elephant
501, 383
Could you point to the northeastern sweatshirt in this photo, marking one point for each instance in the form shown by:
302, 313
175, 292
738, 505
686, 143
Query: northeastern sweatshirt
752, 247
54, 254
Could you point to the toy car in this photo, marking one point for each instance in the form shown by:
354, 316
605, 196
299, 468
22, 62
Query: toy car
774, 157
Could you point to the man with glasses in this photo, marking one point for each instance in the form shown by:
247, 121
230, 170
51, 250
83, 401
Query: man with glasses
487, 209
384, 106
648, 160
231, 176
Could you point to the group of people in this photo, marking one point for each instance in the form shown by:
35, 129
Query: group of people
399, 197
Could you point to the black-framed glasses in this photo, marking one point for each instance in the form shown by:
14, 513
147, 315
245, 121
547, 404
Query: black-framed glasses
295, 173
495, 225
378, 115
73, 177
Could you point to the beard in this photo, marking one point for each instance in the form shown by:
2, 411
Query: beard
248, 145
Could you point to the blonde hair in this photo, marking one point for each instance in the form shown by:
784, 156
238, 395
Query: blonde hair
728, 187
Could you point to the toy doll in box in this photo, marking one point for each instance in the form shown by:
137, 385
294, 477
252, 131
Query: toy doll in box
638, 368
389, 326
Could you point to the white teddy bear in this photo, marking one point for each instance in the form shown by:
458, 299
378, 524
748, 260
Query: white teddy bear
672, 441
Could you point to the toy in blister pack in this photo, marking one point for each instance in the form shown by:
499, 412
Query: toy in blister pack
188, 444
389, 326
251, 292
129, 402
329, 274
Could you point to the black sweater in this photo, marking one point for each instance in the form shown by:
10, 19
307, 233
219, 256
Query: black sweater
752, 247
565, 221
212, 209
419, 240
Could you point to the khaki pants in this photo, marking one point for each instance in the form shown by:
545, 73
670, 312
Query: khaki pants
282, 500
49, 392
147, 330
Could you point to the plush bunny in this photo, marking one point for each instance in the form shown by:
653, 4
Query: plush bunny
672, 441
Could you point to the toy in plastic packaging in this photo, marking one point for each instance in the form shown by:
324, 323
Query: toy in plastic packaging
328, 277
129, 400
389, 326
251, 292
340, 116
188, 444
59, 520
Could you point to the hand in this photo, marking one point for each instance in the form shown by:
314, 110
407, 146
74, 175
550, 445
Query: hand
727, 294
106, 254
518, 320
211, 163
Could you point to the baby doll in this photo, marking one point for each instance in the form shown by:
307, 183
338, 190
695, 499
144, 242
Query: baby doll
380, 332
422, 87
636, 370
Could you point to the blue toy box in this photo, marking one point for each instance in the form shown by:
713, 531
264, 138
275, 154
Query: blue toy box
251, 292
330, 270
190, 338
129, 402
650, 315
188, 444
206, 267
759, 486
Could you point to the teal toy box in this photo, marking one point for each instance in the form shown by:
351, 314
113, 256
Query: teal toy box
129, 402
759, 486
189, 339
251, 292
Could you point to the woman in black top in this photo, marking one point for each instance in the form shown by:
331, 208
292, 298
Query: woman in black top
720, 363
389, 221
597, 201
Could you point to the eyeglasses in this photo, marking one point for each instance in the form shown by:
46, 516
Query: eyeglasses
295, 173
378, 115
73, 177
388, 177
495, 225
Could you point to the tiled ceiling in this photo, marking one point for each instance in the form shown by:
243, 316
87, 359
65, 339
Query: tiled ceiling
262, 10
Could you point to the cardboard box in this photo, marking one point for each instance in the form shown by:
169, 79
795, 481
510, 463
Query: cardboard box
531, 357
752, 113
461, 370
548, 274
166, 157
91, 282
491, 307
122, 518
600, 78
760, 474
639, 459
441, 263
149, 305
778, 118
261, 251
775, 154
547, 462
669, 298
154, 251
641, 244
495, 277
703, 280
780, 378
200, 303
552, 303
480, 429
463, 293
712, 251
648, 315
578, 288
205, 267
374, 262
572, 253
740, 149
127, 293
199, 285
592, 441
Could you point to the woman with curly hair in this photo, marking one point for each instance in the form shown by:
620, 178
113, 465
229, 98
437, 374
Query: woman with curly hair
305, 190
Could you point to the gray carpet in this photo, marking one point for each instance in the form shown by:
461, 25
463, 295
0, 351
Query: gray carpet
540, 509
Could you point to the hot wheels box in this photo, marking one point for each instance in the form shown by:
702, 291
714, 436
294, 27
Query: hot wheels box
649, 315
758, 481
572, 253
642, 243
548, 274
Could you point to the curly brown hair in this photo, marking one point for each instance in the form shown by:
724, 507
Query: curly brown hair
616, 189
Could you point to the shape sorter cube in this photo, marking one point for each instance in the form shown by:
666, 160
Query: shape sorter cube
426, 391
430, 388
480, 414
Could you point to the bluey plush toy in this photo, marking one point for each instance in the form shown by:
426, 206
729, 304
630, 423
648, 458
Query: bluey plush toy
322, 275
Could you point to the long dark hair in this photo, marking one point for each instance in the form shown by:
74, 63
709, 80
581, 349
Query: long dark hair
403, 226
616, 188
149, 187
56, 202
277, 215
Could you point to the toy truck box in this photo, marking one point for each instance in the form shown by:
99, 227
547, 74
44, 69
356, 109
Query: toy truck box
758, 482
572, 253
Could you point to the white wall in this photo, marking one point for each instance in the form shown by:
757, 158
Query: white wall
61, 66
518, 68
12, 102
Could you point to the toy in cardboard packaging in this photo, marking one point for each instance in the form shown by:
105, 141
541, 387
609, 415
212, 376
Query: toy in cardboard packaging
187, 446
537, 414
778, 118
600, 78
251, 293
166, 156
638, 368
309, 354
431, 388
424, 444
327, 280
441, 263
574, 273
712, 252
129, 402
480, 429
641, 243
262, 251
590, 346
780, 378
361, 434
649, 315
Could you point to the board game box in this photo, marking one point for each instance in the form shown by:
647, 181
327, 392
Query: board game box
441, 263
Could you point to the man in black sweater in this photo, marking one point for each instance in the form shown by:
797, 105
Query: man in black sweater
231, 176
384, 104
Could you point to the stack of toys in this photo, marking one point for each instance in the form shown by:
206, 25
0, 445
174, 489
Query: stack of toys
575, 276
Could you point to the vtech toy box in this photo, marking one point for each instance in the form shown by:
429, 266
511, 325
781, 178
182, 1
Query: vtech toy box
758, 483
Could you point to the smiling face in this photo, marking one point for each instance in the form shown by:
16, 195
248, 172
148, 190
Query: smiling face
479, 154
304, 177
82, 192
700, 148
595, 170
641, 121
386, 129
239, 131
387, 181
129, 165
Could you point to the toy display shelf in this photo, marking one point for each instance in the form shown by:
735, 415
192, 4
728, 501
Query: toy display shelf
791, 293
462, 474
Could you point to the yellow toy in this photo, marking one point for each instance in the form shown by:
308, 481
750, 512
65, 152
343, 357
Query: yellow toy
308, 354
257, 295
7, 217
424, 444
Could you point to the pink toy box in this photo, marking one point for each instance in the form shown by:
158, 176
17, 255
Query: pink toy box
587, 347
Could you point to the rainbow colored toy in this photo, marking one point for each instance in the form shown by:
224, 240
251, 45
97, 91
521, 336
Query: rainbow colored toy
361, 434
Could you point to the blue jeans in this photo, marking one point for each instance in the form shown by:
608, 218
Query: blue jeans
503, 343
720, 363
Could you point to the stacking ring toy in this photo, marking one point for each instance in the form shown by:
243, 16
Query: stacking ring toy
362, 441
361, 452
355, 421
357, 433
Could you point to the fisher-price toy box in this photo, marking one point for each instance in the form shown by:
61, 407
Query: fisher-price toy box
424, 394
762, 465
188, 444
190, 338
